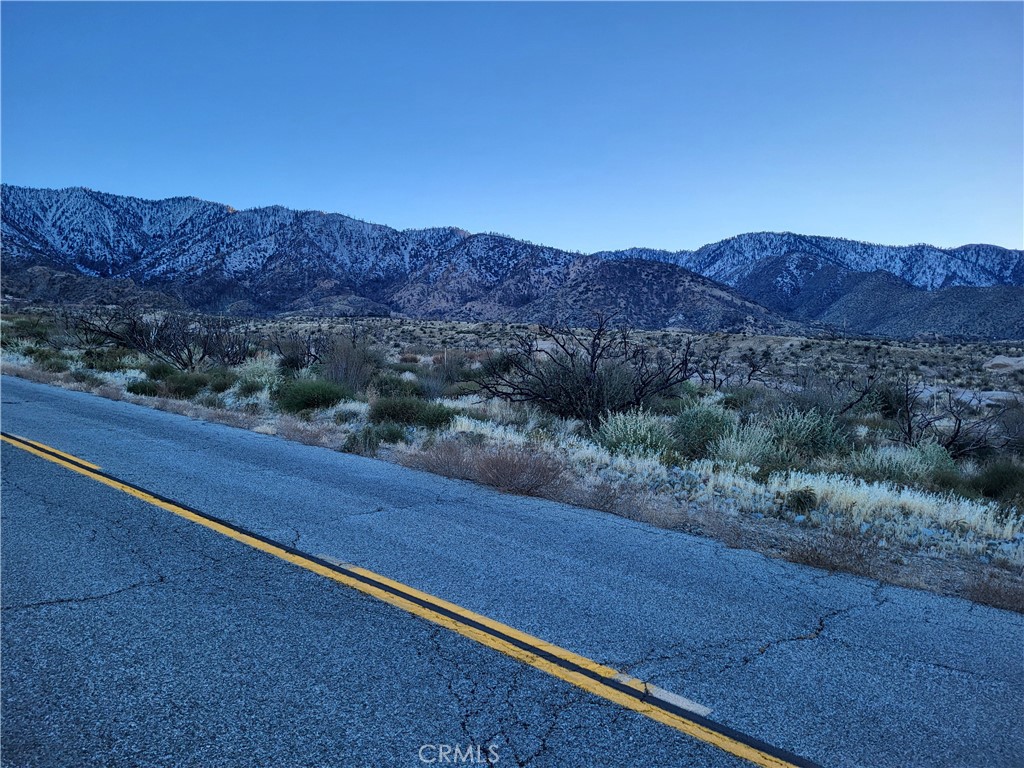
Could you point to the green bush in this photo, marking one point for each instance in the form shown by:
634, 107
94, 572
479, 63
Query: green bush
697, 428
739, 398
926, 464
365, 442
249, 387
346, 416
159, 370
34, 328
144, 387
302, 394
750, 444
411, 411
184, 386
808, 434
57, 364
86, 377
349, 364
634, 433
221, 380
107, 359
387, 385
1002, 480
390, 432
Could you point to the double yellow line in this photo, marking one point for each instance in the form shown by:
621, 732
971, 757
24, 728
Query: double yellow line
580, 671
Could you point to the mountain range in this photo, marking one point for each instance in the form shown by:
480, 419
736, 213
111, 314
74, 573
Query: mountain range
79, 245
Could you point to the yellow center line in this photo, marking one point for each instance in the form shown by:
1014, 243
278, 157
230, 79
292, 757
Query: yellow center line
59, 453
602, 680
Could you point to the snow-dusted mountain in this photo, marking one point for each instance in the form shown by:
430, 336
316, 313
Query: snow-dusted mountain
924, 266
210, 256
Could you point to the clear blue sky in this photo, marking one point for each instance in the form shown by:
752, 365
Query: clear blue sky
584, 126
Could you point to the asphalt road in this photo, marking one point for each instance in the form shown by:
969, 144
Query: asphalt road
132, 637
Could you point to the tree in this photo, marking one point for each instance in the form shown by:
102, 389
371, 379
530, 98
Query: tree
588, 372
185, 341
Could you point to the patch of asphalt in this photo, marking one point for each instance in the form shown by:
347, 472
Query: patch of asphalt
832, 667
123, 646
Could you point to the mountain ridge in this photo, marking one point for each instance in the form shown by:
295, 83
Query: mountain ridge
271, 259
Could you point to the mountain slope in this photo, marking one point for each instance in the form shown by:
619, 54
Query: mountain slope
273, 259
737, 258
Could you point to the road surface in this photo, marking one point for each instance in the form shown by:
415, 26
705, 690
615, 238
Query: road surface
133, 636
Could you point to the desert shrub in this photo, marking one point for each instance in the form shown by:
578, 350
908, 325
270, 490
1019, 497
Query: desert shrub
406, 368
738, 398
800, 501
518, 469
584, 374
184, 386
411, 411
460, 389
55, 364
389, 432
159, 370
144, 387
211, 400
304, 394
634, 433
41, 353
86, 377
107, 359
365, 442
450, 458
844, 549
808, 434
1003, 480
31, 327
349, 363
697, 428
389, 385
222, 379
250, 387
749, 443
452, 365
903, 465
1000, 590
345, 416
258, 373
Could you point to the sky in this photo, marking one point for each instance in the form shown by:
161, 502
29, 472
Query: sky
585, 126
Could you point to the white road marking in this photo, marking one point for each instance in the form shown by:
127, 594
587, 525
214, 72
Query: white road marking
667, 696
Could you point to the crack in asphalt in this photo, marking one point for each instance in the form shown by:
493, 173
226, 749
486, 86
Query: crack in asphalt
83, 599
814, 633
496, 698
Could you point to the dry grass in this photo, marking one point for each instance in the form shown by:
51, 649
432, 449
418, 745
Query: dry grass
839, 550
997, 589
517, 469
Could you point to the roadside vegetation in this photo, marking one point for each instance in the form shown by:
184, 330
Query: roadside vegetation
900, 461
